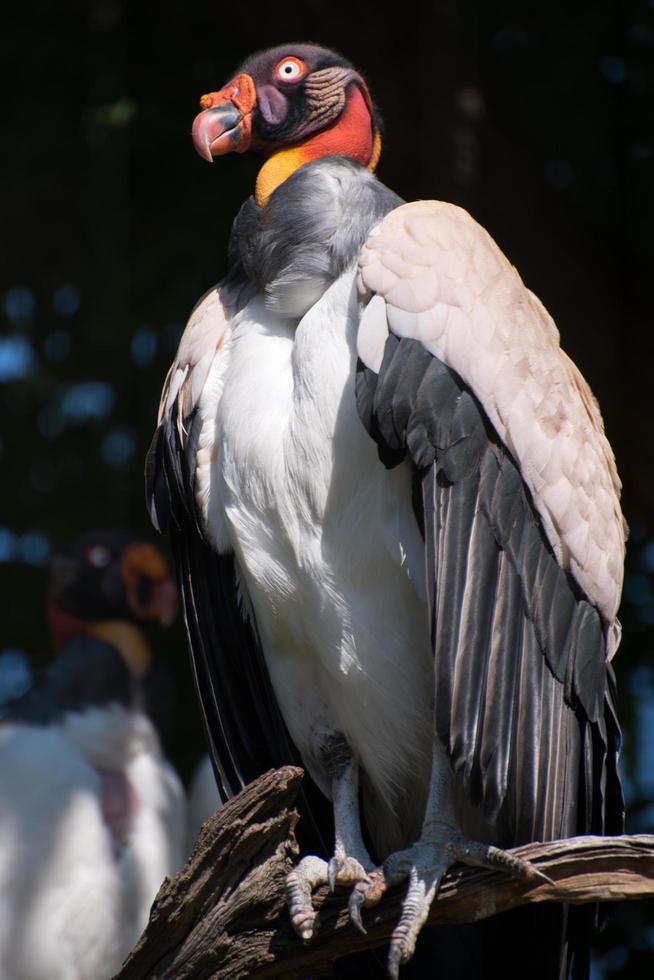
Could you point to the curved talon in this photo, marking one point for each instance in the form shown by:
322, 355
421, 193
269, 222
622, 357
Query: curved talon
354, 905
542, 877
331, 874
531, 873
524, 869
367, 893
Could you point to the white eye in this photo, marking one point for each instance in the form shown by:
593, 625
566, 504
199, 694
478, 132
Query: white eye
290, 69
98, 556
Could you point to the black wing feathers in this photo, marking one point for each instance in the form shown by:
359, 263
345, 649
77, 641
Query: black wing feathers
521, 696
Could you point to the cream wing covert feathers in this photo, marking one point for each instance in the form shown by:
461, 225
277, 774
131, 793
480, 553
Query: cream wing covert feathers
445, 282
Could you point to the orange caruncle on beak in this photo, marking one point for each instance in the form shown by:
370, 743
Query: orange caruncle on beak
225, 124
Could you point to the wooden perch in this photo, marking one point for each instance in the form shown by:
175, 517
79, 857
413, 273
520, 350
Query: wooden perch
224, 914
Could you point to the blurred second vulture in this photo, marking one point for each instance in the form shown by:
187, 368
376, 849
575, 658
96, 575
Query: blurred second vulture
92, 816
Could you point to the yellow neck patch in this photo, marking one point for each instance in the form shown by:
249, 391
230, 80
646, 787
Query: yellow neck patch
275, 170
283, 163
376, 152
128, 639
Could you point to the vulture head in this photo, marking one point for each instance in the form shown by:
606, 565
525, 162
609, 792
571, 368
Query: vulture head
109, 583
293, 103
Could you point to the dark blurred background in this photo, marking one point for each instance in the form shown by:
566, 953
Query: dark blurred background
536, 118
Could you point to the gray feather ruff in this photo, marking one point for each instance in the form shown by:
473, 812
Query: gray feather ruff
311, 230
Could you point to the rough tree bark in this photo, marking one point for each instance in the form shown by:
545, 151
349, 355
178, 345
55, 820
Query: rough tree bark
224, 914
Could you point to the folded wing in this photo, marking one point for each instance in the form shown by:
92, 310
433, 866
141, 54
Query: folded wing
517, 495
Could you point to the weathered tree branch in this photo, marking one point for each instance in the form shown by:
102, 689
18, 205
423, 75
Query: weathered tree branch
224, 914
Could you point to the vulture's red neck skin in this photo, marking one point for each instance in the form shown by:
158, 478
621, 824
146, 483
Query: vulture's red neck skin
352, 135
63, 625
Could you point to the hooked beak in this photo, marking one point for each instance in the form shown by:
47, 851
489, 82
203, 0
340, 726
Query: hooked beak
225, 124
151, 593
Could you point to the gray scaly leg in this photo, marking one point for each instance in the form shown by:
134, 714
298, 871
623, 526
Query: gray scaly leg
441, 845
351, 862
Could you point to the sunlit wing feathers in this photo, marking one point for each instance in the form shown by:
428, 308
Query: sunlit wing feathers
440, 279
207, 331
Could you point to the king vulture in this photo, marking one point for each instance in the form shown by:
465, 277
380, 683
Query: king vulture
396, 523
92, 816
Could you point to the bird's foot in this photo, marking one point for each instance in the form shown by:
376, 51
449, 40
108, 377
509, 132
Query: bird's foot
424, 865
309, 874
